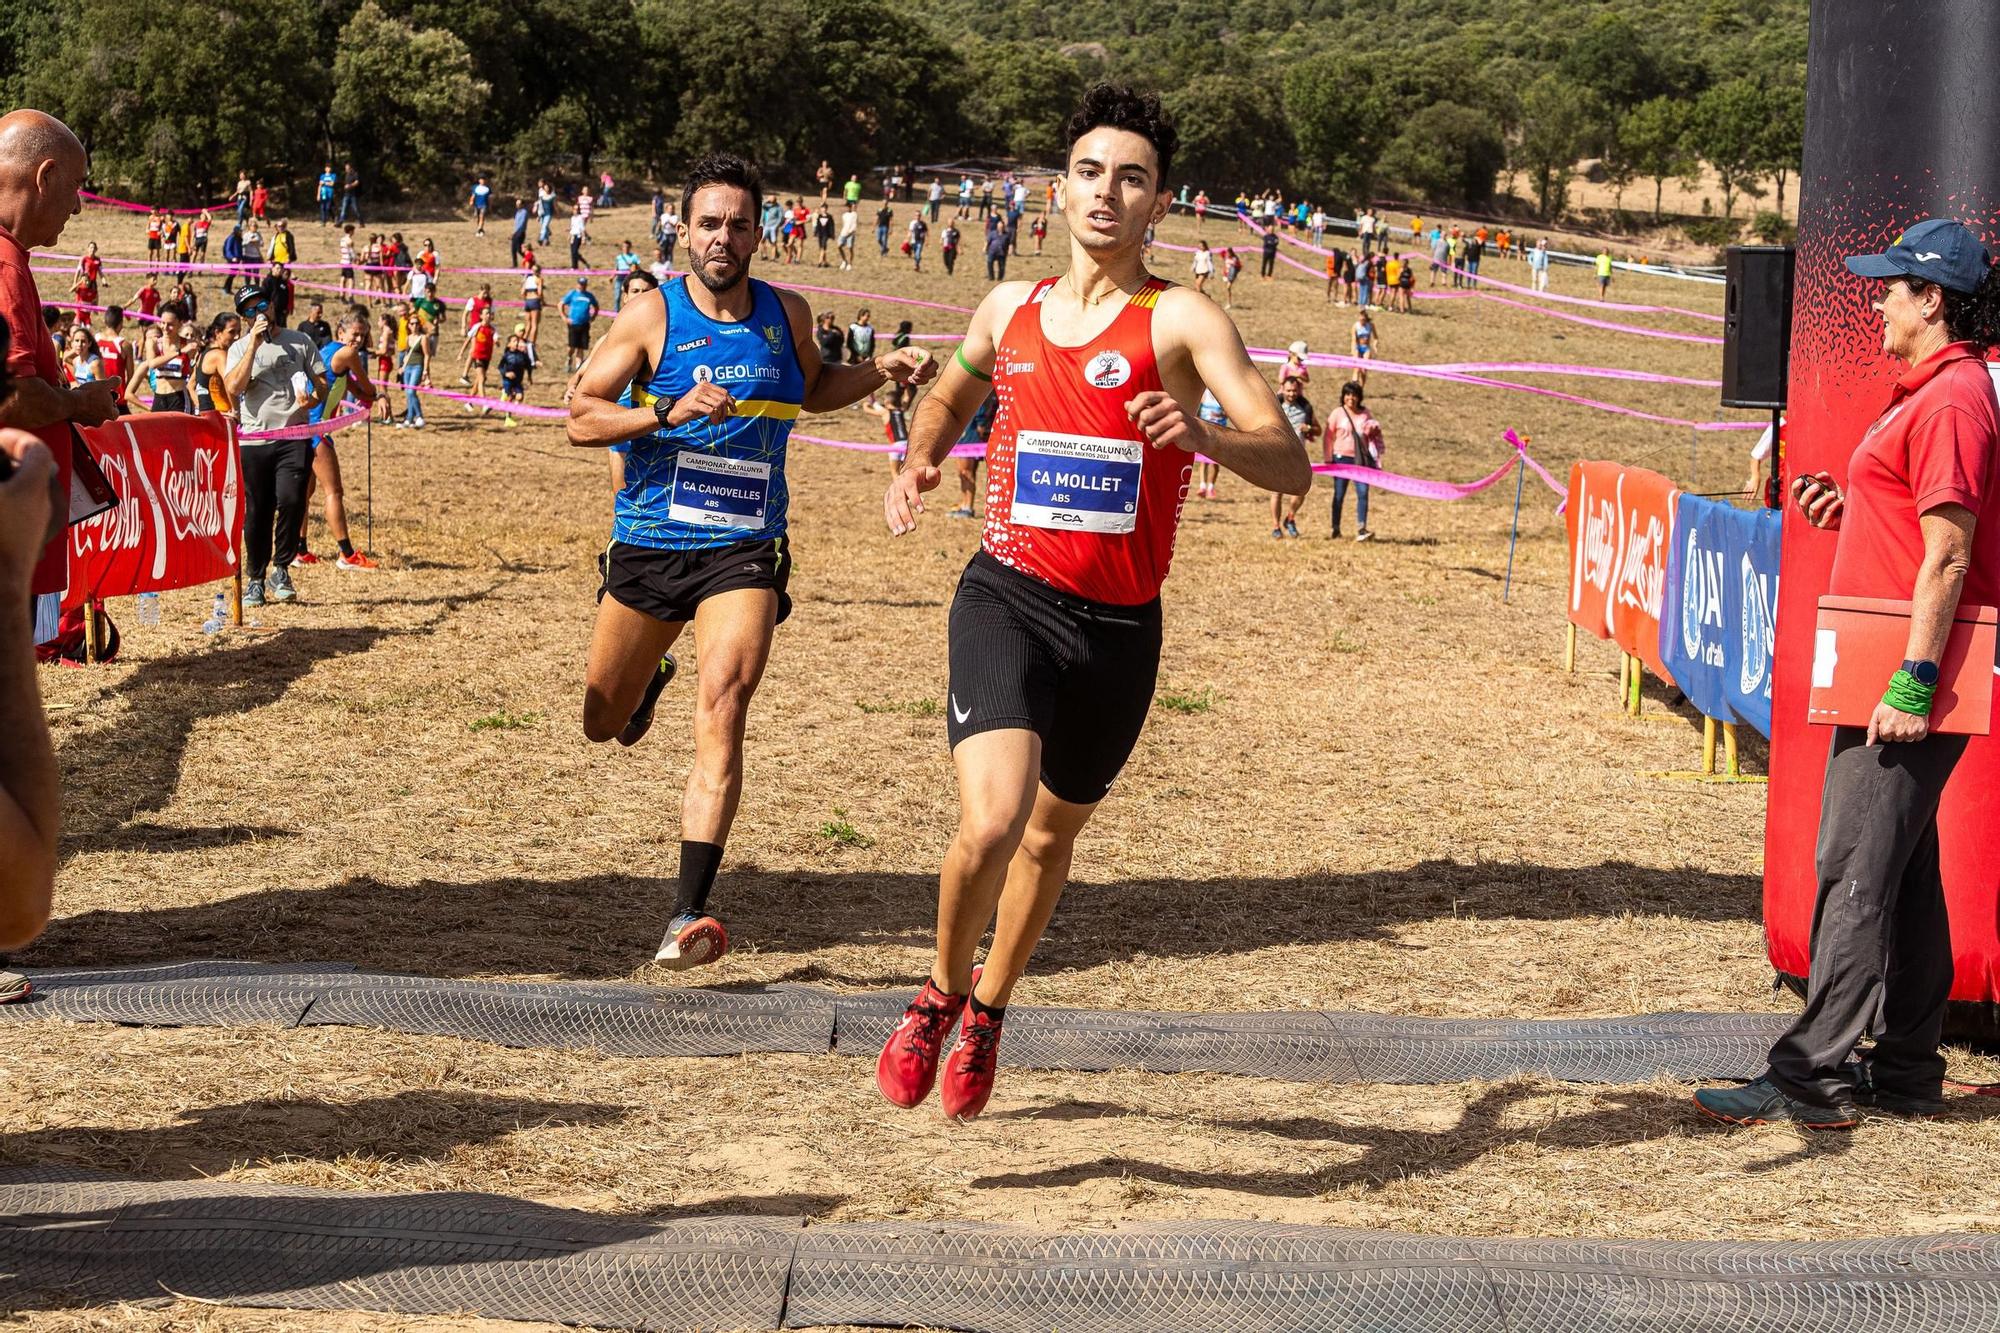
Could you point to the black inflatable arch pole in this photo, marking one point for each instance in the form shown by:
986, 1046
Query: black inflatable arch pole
1902, 123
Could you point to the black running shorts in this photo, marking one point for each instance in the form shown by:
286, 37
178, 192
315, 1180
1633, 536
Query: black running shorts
669, 585
579, 337
1077, 673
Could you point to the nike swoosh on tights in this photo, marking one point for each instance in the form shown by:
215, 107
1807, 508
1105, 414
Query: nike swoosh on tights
962, 716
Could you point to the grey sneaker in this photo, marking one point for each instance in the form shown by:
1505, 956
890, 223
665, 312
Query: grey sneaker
253, 593
281, 586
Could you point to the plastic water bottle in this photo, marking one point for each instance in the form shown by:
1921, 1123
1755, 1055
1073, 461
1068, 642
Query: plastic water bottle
213, 625
149, 608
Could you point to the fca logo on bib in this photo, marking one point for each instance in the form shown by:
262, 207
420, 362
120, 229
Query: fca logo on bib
1108, 370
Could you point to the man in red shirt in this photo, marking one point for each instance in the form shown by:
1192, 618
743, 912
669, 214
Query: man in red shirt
1918, 521
42, 168
1055, 631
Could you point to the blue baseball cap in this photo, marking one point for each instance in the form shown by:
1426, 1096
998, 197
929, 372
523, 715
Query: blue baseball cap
1937, 250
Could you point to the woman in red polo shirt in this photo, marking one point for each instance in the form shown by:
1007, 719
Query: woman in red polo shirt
1918, 521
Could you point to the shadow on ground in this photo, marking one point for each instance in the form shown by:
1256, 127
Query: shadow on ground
598, 926
414, 1125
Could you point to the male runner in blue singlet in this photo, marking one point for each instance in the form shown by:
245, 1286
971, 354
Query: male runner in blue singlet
721, 365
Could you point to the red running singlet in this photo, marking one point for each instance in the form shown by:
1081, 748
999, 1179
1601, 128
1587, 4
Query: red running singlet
1075, 495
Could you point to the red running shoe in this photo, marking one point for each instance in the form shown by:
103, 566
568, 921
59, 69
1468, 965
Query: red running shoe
305, 557
968, 1071
907, 1067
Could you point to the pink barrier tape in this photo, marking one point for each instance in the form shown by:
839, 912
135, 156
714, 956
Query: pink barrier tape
957, 450
1605, 323
126, 264
1555, 314
1272, 355
1564, 368
530, 410
1424, 488
496, 404
81, 305
1486, 281
106, 201
310, 429
1539, 470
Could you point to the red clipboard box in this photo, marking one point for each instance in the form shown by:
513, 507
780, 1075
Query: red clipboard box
1859, 642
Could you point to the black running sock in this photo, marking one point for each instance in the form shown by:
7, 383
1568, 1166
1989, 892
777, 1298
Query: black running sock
994, 1015
347, 547
699, 863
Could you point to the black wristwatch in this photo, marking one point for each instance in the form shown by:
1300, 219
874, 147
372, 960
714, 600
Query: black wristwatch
1924, 673
661, 407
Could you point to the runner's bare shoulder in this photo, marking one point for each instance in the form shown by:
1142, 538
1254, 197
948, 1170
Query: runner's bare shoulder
999, 304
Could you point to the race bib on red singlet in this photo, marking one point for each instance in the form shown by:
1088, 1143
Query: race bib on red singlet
1076, 483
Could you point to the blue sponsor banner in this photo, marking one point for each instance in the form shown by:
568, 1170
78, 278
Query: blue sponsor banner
1755, 616
1718, 616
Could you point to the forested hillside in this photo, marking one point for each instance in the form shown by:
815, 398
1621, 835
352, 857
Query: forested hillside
1418, 98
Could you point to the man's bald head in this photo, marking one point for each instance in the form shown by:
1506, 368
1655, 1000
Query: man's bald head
42, 166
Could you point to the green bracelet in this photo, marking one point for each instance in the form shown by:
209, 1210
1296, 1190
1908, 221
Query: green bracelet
1907, 695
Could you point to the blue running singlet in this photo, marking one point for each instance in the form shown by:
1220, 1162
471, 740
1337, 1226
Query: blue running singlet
704, 485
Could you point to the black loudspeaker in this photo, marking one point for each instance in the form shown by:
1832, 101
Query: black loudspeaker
1757, 326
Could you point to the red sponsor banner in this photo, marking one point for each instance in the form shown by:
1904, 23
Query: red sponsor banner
179, 515
1621, 524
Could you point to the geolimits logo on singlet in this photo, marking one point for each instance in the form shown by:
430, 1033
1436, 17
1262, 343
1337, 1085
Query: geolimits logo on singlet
735, 374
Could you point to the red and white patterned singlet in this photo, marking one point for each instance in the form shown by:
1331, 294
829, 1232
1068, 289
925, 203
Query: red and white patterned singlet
1075, 495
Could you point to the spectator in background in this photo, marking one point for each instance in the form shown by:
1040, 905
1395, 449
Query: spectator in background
827, 335
274, 375
324, 194
948, 246
860, 338
350, 195
1270, 259
545, 209
1203, 265
1603, 262
1538, 264
42, 167
1353, 437
998, 242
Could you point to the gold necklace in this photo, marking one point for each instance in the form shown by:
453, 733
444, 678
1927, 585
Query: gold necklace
1085, 299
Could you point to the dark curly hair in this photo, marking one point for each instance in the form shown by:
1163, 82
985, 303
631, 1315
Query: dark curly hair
722, 169
1974, 316
1124, 108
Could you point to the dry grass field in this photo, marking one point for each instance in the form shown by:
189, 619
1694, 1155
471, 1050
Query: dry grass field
1381, 792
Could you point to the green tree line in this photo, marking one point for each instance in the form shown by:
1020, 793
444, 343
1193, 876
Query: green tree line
1339, 98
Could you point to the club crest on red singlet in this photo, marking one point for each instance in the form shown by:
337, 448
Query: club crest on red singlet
1108, 369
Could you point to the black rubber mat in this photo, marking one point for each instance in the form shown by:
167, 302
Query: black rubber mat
1311, 1045
197, 994
616, 1019
619, 1020
667, 1021
66, 1235
1224, 1277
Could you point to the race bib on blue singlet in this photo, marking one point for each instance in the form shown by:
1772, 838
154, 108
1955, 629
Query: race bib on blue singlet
1077, 483
718, 492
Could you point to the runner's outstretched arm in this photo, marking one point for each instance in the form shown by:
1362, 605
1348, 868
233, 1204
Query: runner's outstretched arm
1202, 347
830, 388
595, 416
940, 418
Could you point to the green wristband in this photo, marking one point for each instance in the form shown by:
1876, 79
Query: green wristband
1906, 695
969, 368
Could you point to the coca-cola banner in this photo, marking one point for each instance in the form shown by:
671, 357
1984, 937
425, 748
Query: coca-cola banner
1621, 524
179, 513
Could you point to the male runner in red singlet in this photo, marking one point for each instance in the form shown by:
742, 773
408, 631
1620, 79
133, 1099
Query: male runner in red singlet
1055, 631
